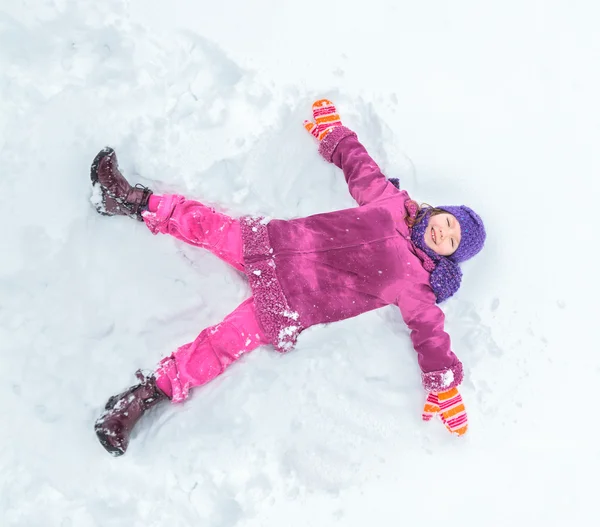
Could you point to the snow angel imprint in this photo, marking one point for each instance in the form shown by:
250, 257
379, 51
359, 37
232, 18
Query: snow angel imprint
306, 271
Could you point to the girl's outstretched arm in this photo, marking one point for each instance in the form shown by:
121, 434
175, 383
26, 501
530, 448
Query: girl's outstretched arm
365, 180
440, 367
339, 145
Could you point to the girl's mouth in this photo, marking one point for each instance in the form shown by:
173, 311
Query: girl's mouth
433, 236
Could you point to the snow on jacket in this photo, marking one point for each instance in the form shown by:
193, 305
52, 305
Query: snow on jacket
337, 265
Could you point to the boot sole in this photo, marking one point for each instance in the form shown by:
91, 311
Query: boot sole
103, 437
106, 151
108, 446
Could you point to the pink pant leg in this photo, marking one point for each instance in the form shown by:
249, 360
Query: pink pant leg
211, 353
197, 224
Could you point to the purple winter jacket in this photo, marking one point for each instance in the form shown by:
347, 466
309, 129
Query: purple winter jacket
332, 266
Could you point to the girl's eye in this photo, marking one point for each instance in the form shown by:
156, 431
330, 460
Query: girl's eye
452, 240
448, 220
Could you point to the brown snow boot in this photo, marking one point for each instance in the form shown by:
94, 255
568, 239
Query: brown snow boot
112, 194
123, 411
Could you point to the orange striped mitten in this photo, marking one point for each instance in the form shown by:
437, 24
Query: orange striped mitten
451, 409
326, 118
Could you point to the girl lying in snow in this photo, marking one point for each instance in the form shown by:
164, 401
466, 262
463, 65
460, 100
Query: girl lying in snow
306, 271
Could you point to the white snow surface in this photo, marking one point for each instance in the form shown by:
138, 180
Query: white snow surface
490, 104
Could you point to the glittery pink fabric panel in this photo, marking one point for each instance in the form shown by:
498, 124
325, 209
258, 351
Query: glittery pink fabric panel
280, 324
438, 381
332, 139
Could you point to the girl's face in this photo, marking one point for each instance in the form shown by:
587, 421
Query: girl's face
442, 234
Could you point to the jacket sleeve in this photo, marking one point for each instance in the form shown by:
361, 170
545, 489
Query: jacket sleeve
365, 180
441, 369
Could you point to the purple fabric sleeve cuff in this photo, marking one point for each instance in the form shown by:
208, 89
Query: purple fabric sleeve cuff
441, 380
332, 139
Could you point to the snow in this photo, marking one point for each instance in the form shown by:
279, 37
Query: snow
96, 198
491, 104
447, 378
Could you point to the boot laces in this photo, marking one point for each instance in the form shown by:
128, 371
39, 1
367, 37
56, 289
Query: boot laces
134, 209
148, 382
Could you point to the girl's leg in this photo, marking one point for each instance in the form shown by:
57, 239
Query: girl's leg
216, 347
191, 365
196, 224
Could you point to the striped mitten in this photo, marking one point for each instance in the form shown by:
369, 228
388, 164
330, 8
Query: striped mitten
326, 118
451, 409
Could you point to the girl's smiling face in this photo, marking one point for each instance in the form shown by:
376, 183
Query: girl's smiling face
442, 234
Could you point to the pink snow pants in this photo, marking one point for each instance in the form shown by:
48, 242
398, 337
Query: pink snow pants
218, 346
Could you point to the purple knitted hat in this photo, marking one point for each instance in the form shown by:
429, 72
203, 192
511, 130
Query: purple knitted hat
446, 276
472, 232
